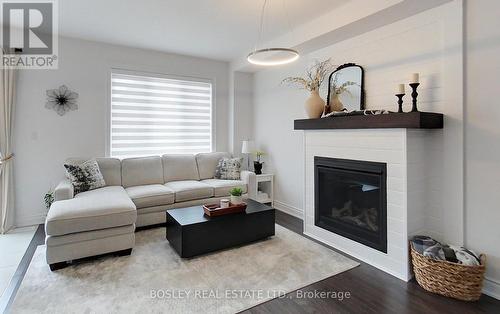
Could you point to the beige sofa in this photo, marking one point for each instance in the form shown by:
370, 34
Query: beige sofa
138, 191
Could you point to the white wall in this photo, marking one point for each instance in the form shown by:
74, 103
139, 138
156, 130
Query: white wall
275, 109
241, 109
482, 140
44, 139
428, 43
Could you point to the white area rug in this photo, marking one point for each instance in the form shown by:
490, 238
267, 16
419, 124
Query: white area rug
155, 279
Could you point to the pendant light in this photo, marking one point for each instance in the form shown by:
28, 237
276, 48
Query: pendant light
270, 56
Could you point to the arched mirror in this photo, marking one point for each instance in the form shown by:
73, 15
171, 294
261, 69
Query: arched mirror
345, 89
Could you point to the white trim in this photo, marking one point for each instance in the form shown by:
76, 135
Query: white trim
304, 186
213, 112
107, 147
408, 271
491, 287
289, 209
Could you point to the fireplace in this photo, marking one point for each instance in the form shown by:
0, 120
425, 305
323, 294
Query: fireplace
350, 199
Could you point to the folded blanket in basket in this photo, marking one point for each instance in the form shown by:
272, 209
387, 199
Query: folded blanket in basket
429, 247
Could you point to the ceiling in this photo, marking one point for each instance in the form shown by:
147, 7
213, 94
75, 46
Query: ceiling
216, 29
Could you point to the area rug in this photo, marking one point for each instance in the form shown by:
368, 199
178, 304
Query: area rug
155, 279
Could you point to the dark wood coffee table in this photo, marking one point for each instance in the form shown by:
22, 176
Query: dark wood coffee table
192, 233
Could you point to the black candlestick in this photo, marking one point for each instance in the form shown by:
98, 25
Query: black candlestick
400, 102
414, 96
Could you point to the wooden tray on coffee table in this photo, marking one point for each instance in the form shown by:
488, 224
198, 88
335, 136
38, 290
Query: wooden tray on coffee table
213, 210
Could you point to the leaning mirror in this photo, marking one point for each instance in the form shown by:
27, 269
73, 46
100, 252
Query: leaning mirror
345, 89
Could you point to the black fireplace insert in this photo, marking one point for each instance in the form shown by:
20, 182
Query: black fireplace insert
351, 200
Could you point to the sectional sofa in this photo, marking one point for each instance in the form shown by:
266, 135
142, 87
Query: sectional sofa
138, 191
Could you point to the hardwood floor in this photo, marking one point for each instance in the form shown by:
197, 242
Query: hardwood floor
371, 290
10, 292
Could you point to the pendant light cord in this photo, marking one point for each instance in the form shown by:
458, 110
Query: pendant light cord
287, 17
262, 21
261, 28
288, 54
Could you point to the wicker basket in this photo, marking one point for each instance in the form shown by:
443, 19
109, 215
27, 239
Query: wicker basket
453, 280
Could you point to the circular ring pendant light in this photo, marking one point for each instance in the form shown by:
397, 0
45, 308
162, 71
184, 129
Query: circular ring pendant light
271, 56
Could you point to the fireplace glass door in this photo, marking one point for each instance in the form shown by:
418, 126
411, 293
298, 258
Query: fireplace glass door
350, 200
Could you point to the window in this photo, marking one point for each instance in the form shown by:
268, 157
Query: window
155, 116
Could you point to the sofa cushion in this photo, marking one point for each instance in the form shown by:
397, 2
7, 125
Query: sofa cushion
88, 235
207, 162
111, 168
102, 208
179, 167
142, 171
150, 195
190, 190
222, 187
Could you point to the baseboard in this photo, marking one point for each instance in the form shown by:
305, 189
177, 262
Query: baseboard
492, 288
291, 210
31, 220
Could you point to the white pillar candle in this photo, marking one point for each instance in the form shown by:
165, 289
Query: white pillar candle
400, 89
414, 78
224, 203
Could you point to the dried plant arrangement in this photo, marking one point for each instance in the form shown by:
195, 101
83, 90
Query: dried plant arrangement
314, 78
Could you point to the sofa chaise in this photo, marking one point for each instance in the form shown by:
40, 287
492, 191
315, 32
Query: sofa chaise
138, 191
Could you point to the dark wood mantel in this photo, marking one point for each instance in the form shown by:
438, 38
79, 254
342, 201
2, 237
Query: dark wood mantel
406, 120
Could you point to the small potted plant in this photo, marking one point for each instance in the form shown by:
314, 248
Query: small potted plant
257, 164
236, 196
48, 199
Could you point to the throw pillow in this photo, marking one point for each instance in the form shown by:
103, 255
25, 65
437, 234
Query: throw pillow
86, 176
228, 169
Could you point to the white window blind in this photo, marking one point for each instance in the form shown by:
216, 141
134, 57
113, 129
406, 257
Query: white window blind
154, 116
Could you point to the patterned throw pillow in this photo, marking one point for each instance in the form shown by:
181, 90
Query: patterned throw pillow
86, 176
228, 169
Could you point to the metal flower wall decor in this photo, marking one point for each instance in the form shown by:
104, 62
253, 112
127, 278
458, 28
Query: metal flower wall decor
61, 100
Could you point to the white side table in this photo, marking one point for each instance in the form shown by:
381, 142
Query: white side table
265, 184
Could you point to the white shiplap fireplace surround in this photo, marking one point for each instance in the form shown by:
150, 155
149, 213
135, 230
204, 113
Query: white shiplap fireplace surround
410, 183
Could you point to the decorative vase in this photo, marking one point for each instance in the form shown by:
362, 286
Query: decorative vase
315, 105
336, 104
236, 199
257, 167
